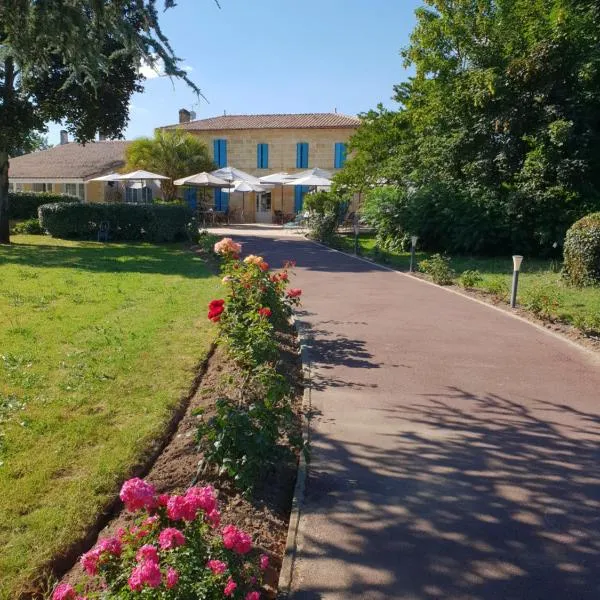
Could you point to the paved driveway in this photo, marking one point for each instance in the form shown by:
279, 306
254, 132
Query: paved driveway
455, 449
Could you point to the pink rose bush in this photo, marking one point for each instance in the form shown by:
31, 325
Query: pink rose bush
174, 550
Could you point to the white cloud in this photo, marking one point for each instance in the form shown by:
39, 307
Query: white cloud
157, 69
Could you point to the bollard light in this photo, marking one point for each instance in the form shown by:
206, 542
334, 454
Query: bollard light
413, 244
517, 260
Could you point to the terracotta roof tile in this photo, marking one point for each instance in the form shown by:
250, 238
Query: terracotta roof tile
70, 161
281, 121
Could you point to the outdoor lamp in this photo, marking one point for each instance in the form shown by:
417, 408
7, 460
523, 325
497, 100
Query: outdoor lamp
517, 260
413, 244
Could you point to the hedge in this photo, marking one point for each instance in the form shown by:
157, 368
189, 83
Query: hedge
24, 205
130, 222
582, 251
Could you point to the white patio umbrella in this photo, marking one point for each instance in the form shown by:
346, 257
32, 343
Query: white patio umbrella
316, 171
203, 180
311, 181
279, 179
108, 177
243, 187
233, 174
141, 176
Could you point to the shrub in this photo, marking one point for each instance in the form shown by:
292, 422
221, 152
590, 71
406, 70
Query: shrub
498, 287
543, 300
582, 251
385, 209
589, 324
24, 205
174, 550
131, 222
30, 226
438, 268
324, 215
470, 279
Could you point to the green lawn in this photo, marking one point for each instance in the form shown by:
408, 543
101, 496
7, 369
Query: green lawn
576, 306
97, 344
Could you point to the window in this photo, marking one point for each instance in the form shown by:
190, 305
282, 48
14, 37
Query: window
262, 156
302, 155
11, 187
38, 187
81, 191
71, 189
137, 195
339, 155
18, 187
220, 153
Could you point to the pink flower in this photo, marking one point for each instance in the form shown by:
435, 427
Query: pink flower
89, 561
147, 573
170, 538
150, 521
111, 545
162, 500
178, 508
64, 591
230, 587
226, 279
227, 247
172, 578
264, 266
147, 553
253, 596
237, 540
214, 517
264, 561
217, 566
137, 494
264, 311
294, 293
202, 498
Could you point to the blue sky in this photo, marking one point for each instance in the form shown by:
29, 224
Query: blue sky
277, 56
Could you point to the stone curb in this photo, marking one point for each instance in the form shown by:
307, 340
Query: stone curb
291, 545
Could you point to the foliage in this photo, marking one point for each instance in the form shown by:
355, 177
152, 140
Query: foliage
24, 205
324, 210
470, 278
438, 268
30, 226
497, 287
582, 251
100, 344
542, 300
206, 241
174, 153
131, 222
48, 74
385, 209
33, 142
251, 431
500, 117
174, 550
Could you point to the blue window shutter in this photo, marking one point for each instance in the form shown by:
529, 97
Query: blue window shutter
223, 153
191, 198
340, 155
265, 156
302, 155
299, 193
216, 149
259, 156
262, 156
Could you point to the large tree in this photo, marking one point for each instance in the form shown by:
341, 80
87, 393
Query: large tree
170, 152
77, 61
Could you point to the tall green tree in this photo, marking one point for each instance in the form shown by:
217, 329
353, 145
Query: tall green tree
170, 152
76, 61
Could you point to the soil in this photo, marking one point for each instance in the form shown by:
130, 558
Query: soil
266, 514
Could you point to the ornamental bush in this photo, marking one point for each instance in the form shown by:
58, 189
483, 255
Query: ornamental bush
257, 428
174, 550
582, 251
29, 226
130, 222
438, 268
24, 205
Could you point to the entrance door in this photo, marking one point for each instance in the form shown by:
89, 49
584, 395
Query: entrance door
263, 207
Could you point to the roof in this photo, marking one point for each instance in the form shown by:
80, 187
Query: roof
70, 161
281, 121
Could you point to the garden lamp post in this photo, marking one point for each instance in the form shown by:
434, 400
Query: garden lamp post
517, 260
413, 244
356, 227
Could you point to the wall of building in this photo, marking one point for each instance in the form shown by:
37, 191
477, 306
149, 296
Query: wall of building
242, 149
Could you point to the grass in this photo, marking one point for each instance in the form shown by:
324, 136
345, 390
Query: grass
97, 345
580, 307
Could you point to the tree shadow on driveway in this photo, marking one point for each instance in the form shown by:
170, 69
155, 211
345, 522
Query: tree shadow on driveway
471, 497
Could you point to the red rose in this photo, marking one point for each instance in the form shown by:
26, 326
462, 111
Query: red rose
264, 312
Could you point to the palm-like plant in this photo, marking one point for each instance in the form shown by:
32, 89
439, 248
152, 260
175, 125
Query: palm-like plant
173, 153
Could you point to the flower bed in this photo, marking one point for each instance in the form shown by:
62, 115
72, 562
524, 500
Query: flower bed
144, 555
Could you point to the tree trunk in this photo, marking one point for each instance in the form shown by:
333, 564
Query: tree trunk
4, 229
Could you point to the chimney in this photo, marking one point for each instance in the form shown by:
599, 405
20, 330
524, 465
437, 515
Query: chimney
64, 137
101, 136
184, 116
192, 115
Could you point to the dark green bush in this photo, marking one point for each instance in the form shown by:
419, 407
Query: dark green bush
386, 210
24, 205
438, 268
582, 251
131, 222
30, 226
